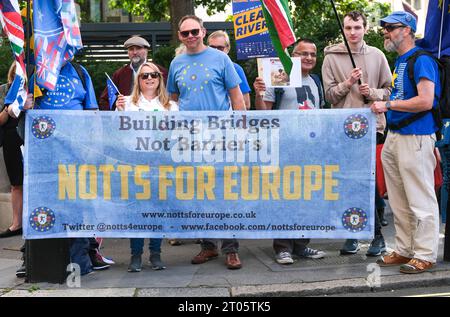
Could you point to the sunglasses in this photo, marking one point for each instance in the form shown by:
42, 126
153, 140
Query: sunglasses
391, 27
152, 75
194, 32
220, 48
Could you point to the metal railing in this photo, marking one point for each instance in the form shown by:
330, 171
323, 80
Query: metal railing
104, 41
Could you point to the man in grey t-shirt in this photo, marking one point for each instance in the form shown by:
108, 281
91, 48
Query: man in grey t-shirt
309, 96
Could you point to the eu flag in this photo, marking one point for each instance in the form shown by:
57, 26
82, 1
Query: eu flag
433, 28
112, 92
57, 38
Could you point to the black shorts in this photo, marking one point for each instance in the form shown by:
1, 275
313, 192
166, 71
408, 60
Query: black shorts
13, 156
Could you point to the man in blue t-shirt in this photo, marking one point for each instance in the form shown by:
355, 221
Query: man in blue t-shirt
221, 41
408, 153
205, 79
71, 92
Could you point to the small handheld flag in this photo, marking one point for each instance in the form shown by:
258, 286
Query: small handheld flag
112, 91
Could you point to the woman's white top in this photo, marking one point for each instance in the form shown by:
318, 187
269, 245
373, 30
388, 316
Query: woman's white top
148, 105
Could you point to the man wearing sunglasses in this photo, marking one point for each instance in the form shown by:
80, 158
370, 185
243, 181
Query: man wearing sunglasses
408, 153
221, 41
342, 90
123, 78
204, 79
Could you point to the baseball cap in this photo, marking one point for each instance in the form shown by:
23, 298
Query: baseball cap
402, 17
136, 41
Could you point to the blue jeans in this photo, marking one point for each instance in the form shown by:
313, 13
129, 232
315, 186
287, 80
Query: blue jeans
137, 246
445, 156
79, 254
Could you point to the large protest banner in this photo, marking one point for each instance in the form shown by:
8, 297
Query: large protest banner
250, 30
257, 174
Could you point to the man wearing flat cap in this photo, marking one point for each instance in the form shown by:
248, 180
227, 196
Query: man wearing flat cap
123, 78
408, 152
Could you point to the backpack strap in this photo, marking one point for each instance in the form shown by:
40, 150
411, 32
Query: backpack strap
435, 110
278, 95
319, 85
80, 74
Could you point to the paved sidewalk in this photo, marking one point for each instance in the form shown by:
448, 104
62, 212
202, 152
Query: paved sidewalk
259, 276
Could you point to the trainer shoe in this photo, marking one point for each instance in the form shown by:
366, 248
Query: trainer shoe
377, 246
97, 262
351, 246
135, 264
155, 261
22, 270
284, 258
204, 256
310, 253
107, 260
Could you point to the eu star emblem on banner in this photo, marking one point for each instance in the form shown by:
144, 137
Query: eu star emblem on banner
354, 219
356, 126
42, 219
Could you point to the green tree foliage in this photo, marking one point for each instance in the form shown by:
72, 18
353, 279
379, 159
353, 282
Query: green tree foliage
6, 60
151, 10
158, 10
316, 20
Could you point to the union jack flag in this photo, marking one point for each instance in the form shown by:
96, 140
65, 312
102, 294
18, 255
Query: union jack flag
13, 28
57, 38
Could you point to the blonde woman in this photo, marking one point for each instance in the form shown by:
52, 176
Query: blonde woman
148, 94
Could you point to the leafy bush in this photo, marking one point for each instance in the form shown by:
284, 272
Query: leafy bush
5, 61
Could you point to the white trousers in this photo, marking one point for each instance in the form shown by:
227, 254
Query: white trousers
408, 164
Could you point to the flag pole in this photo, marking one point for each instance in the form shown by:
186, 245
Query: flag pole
442, 28
28, 39
366, 101
112, 82
343, 35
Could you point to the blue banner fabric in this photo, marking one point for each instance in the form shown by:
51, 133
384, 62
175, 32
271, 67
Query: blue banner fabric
218, 174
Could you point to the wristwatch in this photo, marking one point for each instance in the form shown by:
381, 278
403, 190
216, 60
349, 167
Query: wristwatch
388, 105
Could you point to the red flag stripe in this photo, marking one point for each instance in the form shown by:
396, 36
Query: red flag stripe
14, 25
280, 21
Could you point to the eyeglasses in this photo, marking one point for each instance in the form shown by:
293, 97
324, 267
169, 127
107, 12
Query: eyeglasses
391, 27
304, 54
220, 48
152, 75
194, 32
